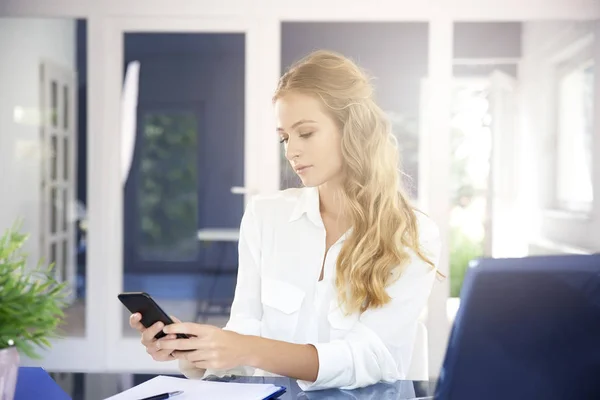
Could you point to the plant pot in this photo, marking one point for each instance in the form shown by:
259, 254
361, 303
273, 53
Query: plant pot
9, 368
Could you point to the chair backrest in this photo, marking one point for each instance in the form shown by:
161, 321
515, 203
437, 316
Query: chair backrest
419, 365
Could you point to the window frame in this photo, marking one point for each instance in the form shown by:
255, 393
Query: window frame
577, 59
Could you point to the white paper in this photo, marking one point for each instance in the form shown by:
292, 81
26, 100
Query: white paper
197, 390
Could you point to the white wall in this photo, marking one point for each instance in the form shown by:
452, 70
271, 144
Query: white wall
556, 230
23, 44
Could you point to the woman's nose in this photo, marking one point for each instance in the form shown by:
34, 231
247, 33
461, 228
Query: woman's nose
292, 151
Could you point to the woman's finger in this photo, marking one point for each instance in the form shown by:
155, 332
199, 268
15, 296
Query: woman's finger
168, 337
135, 322
149, 334
159, 355
155, 350
190, 328
192, 356
182, 344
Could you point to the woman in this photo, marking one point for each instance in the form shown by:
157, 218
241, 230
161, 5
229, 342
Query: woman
332, 276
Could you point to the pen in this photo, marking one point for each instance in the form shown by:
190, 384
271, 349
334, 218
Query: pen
163, 396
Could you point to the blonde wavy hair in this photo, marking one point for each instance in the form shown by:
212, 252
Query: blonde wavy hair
384, 224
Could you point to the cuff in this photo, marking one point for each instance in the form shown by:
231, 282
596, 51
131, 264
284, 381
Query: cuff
333, 366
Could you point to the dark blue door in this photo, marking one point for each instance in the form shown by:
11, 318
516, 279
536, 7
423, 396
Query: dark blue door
189, 153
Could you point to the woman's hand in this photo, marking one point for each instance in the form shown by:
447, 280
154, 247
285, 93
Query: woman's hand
208, 348
148, 340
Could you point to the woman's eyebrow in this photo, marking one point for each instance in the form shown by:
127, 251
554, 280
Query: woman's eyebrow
298, 123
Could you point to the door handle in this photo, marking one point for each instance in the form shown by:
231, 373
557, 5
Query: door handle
242, 190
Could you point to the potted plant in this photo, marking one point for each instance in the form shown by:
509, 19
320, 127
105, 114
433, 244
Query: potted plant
31, 304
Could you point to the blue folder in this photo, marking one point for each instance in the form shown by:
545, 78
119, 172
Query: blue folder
230, 378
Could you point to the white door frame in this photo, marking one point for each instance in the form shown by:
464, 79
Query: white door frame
504, 210
434, 159
260, 176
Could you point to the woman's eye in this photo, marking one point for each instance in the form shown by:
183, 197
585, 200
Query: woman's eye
302, 135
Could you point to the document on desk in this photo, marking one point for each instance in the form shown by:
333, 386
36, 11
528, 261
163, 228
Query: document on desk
199, 390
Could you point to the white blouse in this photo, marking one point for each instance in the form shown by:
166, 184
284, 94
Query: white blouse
279, 295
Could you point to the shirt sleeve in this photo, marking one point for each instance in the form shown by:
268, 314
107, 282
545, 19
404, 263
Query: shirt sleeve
246, 309
379, 345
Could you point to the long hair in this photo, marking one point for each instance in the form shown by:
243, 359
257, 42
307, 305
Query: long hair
384, 224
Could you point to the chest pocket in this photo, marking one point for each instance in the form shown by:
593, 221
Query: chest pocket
281, 302
339, 322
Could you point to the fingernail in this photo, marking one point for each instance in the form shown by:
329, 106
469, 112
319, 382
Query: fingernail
160, 325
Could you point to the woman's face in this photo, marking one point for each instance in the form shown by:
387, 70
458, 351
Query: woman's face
311, 138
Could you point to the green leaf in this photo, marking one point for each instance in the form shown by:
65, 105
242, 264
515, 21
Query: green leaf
31, 300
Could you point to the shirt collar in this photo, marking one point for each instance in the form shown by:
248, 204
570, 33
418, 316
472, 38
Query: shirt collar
308, 203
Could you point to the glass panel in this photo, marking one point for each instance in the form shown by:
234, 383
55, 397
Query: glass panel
77, 311
381, 49
66, 114
508, 177
52, 259
65, 259
53, 210
470, 149
53, 158
65, 205
78, 386
54, 104
28, 146
168, 189
180, 216
484, 54
471, 137
575, 133
65, 151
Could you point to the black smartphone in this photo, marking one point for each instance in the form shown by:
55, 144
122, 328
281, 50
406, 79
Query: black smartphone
141, 302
